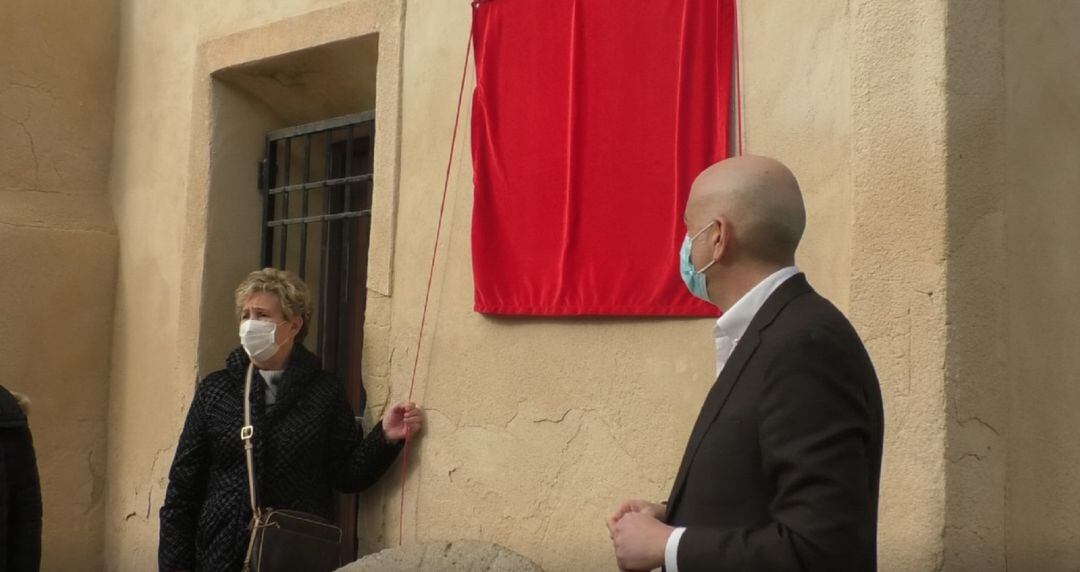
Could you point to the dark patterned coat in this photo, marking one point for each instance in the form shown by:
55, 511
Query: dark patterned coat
20, 491
306, 444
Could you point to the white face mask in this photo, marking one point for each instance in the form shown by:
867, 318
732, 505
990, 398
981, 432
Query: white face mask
259, 339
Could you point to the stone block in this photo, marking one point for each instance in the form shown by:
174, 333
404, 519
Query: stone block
445, 556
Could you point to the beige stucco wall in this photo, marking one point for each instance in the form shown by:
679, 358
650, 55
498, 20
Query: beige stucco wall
154, 362
58, 253
587, 412
976, 379
851, 95
1042, 202
180, 233
605, 406
897, 270
536, 428
797, 104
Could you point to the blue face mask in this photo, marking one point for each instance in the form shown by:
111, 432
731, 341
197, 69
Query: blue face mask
694, 279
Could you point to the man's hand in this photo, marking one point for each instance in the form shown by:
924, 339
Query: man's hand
639, 540
401, 419
652, 509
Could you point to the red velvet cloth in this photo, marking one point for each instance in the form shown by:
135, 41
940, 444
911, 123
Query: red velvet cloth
591, 119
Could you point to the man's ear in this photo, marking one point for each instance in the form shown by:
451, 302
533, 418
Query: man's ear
298, 324
723, 238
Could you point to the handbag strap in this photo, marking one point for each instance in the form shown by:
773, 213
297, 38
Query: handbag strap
246, 432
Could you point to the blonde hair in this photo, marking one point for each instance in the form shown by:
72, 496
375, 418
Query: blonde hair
291, 291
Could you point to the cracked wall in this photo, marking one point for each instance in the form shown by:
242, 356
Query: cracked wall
58, 253
1012, 177
536, 428
898, 292
1042, 203
159, 192
976, 375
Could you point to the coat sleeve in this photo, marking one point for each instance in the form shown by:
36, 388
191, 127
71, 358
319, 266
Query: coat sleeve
24, 508
186, 491
357, 462
815, 429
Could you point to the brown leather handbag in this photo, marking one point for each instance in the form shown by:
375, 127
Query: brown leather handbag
284, 540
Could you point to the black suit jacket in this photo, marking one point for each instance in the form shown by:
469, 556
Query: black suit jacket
782, 467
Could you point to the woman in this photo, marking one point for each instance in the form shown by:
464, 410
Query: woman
306, 441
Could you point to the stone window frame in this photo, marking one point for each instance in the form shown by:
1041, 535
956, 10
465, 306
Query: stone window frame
346, 21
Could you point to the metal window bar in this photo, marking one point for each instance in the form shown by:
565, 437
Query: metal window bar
343, 186
285, 202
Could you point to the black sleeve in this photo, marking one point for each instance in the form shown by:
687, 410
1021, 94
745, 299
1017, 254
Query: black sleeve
24, 501
184, 496
815, 426
357, 462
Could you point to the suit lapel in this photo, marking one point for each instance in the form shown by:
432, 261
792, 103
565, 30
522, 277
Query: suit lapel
730, 374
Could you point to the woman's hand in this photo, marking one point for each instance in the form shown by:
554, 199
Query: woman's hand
401, 419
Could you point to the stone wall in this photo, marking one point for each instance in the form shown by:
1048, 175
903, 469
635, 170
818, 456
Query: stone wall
58, 253
935, 142
1042, 203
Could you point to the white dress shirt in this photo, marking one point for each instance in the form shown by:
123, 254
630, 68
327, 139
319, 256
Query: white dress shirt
727, 332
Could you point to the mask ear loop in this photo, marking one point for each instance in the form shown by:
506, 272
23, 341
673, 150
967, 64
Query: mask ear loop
693, 238
698, 233
291, 337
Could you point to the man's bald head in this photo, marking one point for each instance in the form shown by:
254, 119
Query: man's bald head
761, 200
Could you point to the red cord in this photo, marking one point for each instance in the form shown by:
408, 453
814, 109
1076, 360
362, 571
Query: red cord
431, 274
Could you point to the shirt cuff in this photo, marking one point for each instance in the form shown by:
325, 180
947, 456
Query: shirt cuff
671, 551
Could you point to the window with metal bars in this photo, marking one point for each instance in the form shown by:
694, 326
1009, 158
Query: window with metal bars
316, 181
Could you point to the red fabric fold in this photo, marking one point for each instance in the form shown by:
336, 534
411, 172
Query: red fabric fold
591, 119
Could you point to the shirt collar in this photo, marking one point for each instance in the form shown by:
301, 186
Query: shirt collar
271, 375
733, 323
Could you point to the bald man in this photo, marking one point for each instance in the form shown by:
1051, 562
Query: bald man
781, 470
